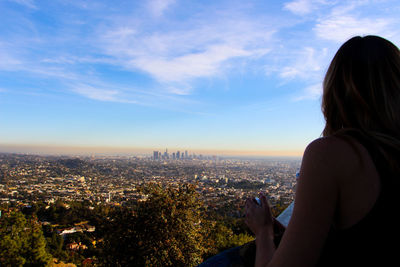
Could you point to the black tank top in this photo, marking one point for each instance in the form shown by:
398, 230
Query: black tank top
375, 239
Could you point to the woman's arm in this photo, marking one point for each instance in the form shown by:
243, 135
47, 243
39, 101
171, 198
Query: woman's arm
265, 249
315, 205
260, 221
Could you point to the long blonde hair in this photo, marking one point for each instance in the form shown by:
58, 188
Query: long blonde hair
362, 93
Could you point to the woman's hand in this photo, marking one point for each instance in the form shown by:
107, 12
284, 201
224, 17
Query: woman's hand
258, 217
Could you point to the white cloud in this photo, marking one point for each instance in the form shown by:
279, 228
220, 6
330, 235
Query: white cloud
176, 57
299, 7
312, 92
181, 90
8, 62
190, 65
158, 7
27, 3
305, 7
96, 93
307, 64
101, 91
341, 28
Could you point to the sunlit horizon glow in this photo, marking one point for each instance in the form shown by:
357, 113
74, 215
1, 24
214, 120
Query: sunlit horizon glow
234, 77
136, 151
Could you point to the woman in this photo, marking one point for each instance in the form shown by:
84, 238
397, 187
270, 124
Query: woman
346, 205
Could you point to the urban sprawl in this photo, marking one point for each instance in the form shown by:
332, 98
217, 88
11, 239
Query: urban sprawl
223, 183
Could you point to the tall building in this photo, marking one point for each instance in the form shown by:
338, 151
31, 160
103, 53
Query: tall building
155, 155
178, 154
186, 154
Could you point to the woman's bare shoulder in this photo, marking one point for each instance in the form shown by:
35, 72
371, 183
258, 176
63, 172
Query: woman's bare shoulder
334, 153
331, 142
332, 146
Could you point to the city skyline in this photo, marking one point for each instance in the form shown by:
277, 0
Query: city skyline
213, 77
135, 151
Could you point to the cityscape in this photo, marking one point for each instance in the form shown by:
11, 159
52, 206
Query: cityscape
75, 199
28, 178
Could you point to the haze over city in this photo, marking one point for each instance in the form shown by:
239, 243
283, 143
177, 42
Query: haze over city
218, 77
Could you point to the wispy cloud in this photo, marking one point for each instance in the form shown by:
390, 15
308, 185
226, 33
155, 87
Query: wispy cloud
305, 7
312, 92
343, 27
307, 64
173, 53
101, 91
200, 50
334, 22
189, 66
348, 19
299, 7
96, 93
26, 3
158, 7
8, 60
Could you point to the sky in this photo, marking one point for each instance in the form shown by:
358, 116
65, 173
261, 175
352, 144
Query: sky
227, 77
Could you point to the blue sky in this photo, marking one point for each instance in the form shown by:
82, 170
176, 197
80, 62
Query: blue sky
226, 76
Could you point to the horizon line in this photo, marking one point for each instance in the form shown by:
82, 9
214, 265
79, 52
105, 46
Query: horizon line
47, 149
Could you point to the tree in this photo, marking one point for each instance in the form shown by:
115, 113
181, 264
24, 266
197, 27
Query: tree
36, 253
171, 220
22, 241
170, 228
55, 245
165, 230
220, 236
